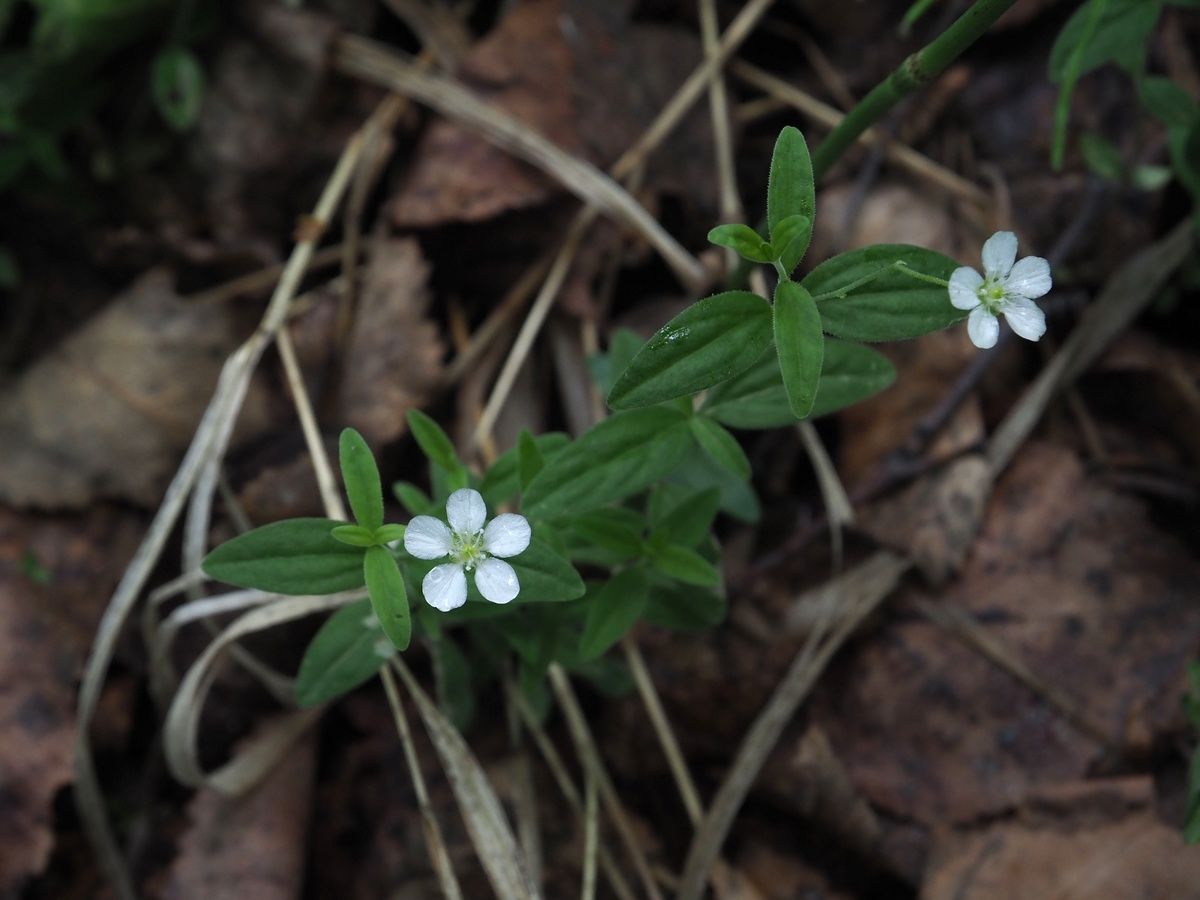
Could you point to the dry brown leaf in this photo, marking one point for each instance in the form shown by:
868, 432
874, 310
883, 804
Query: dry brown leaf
936, 518
562, 68
1091, 849
1082, 587
109, 411
249, 846
44, 634
394, 358
523, 67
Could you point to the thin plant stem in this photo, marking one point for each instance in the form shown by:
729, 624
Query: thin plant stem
662, 728
589, 754
433, 832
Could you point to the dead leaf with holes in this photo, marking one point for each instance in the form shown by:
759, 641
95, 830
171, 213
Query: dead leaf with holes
109, 412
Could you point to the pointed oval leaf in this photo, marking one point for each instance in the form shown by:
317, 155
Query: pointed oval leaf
791, 241
742, 240
685, 565
863, 296
361, 477
612, 611
682, 607
386, 534
433, 441
721, 446
502, 482
295, 556
710, 341
616, 458
529, 458
756, 398
800, 345
544, 575
354, 535
790, 190
389, 599
413, 499
345, 653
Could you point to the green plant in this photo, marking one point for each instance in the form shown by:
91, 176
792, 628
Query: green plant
631, 503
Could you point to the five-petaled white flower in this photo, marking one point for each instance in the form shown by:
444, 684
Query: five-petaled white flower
1007, 287
470, 546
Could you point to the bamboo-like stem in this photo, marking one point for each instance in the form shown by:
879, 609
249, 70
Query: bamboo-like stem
914, 73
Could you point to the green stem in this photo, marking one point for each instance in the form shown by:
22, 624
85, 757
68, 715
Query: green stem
915, 72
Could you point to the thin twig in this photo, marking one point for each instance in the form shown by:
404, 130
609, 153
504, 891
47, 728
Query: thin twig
585, 746
433, 832
371, 61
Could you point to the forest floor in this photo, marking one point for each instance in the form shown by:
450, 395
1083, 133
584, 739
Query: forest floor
1002, 714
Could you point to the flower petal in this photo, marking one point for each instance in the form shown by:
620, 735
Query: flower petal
445, 587
466, 510
1024, 317
497, 581
964, 282
983, 328
999, 252
1030, 277
427, 538
506, 535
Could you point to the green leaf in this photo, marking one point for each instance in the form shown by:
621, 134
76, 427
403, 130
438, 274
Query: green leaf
683, 607
354, 535
617, 458
721, 446
800, 345
612, 611
744, 241
502, 482
697, 471
1122, 24
343, 654
529, 458
790, 190
433, 441
295, 556
614, 529
1168, 102
452, 678
851, 373
686, 521
544, 575
177, 85
1101, 156
361, 476
606, 368
862, 295
413, 499
791, 240
385, 534
1184, 147
756, 398
385, 586
685, 565
710, 341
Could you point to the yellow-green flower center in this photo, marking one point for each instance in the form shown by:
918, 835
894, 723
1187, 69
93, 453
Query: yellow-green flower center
466, 548
990, 294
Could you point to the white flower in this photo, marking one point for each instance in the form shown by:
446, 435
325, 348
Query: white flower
469, 546
1007, 287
